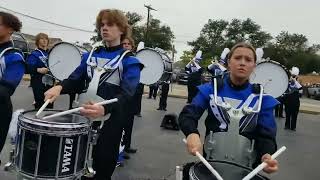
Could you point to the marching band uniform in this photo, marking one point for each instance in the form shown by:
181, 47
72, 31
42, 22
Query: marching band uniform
164, 95
39, 82
216, 69
106, 152
260, 126
194, 71
12, 68
292, 103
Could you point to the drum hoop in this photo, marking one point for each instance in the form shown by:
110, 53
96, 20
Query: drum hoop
55, 45
191, 172
66, 177
34, 121
276, 63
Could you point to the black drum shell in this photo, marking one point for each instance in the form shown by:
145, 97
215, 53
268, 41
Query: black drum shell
227, 170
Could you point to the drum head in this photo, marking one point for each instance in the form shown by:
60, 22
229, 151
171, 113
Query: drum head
153, 66
71, 123
273, 76
63, 59
227, 170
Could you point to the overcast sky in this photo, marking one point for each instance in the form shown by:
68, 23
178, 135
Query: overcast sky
185, 17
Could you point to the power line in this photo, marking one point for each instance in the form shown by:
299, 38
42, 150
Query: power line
52, 23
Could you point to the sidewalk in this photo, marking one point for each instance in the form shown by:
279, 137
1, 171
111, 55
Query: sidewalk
307, 105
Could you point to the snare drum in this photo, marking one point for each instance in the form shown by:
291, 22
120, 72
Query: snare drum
273, 76
51, 149
227, 170
157, 66
63, 59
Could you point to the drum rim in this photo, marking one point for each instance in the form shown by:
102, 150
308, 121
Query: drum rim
191, 171
40, 177
165, 62
152, 49
57, 44
53, 123
277, 63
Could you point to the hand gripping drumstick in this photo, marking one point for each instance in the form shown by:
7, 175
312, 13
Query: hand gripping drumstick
205, 162
43, 107
263, 165
79, 108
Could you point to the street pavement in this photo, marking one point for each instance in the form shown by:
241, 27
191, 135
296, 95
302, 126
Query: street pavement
160, 150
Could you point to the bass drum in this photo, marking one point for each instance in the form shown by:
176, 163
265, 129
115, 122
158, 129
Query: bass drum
273, 76
64, 58
157, 66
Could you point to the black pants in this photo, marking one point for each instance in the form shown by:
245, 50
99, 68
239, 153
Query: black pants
106, 152
39, 89
164, 96
5, 114
279, 110
128, 131
137, 97
192, 90
72, 97
292, 111
153, 91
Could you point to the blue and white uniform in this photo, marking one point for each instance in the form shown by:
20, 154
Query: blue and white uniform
128, 76
39, 59
12, 68
194, 72
258, 126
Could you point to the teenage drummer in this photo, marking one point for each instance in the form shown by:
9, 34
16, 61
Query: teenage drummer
11, 70
235, 89
38, 68
113, 27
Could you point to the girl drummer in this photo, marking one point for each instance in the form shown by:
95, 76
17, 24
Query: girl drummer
235, 86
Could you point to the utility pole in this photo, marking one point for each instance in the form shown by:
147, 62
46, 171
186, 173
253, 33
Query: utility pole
149, 8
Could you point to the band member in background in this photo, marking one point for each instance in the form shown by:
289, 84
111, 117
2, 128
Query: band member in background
234, 87
216, 69
125, 146
194, 71
38, 68
153, 90
292, 100
12, 68
164, 88
113, 27
279, 108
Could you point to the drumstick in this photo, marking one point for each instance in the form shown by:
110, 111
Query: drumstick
205, 162
263, 164
43, 107
79, 108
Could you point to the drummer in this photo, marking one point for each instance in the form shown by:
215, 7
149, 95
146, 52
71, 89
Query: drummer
38, 68
234, 87
11, 70
113, 27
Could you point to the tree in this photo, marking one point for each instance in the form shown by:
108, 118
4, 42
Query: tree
218, 34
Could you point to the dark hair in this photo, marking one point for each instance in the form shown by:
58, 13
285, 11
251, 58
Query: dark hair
11, 21
243, 45
117, 17
41, 36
